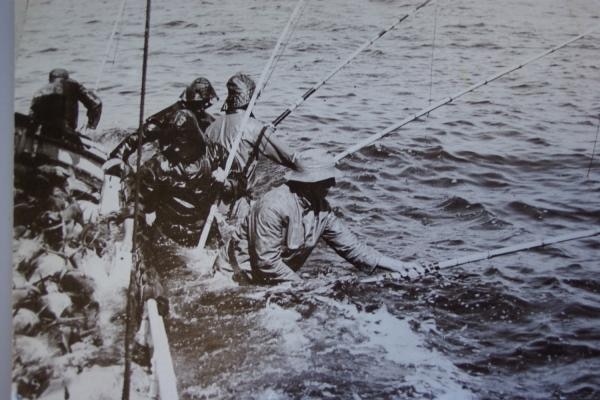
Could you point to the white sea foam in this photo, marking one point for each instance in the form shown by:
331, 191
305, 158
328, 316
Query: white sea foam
386, 341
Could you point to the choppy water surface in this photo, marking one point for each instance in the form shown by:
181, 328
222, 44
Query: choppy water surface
503, 165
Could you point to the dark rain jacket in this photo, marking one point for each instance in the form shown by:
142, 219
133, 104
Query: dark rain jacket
179, 193
56, 106
161, 126
279, 234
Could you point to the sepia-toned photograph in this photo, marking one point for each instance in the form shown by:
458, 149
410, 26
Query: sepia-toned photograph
306, 199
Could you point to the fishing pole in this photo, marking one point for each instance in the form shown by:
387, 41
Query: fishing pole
245, 118
420, 269
341, 65
303, 98
316, 86
107, 52
136, 209
370, 140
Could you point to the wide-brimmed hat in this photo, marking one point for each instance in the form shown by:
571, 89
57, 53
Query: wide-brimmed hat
313, 165
240, 89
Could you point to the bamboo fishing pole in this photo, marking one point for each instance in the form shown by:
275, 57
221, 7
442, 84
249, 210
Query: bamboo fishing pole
370, 140
420, 269
246, 117
310, 92
341, 65
134, 266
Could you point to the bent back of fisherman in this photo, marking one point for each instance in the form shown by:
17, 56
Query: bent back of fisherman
55, 107
188, 113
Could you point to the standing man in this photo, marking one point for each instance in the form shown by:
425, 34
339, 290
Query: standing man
284, 226
188, 113
55, 107
257, 137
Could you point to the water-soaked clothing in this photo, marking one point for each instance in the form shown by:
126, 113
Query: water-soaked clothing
56, 107
162, 126
279, 234
180, 194
224, 130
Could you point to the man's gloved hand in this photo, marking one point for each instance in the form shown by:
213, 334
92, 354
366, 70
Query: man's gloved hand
220, 176
407, 271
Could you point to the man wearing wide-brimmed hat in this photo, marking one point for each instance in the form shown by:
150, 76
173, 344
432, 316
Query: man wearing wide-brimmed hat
284, 226
257, 138
187, 114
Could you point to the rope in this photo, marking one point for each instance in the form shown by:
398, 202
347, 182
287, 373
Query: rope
246, 117
130, 319
594, 149
109, 44
370, 140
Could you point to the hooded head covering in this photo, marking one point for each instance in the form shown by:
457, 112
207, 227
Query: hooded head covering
313, 166
57, 73
199, 90
240, 89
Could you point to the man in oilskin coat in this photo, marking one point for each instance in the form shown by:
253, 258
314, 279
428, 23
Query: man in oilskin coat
178, 186
257, 139
284, 226
55, 107
188, 113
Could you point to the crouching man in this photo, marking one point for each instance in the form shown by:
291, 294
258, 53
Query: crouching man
284, 226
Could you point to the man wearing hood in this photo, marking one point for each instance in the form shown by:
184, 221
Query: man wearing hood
257, 137
188, 113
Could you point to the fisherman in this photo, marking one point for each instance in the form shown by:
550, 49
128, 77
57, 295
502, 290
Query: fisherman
188, 113
177, 185
257, 138
284, 226
176, 190
55, 107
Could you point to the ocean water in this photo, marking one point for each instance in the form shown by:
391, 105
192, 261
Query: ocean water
506, 164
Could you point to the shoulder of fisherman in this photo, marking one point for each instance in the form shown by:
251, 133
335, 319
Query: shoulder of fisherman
189, 112
285, 225
259, 245
50, 89
257, 136
89, 99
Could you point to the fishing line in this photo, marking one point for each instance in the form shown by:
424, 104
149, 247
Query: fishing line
347, 61
594, 149
116, 50
109, 44
135, 264
373, 138
236, 142
285, 46
432, 52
